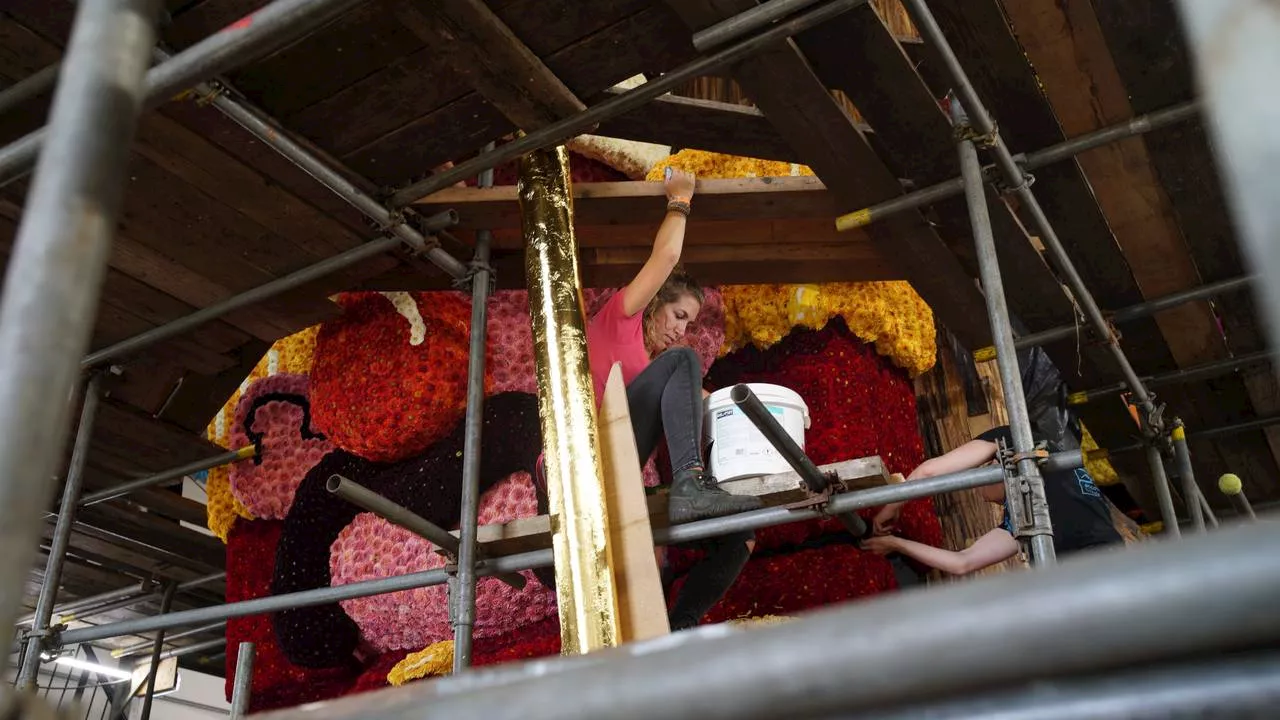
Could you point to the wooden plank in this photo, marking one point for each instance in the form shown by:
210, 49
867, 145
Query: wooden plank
1065, 43
857, 45
478, 46
173, 444
588, 67
640, 202
534, 533
341, 53
784, 87
199, 550
642, 604
701, 125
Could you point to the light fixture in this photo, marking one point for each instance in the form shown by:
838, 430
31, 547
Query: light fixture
75, 662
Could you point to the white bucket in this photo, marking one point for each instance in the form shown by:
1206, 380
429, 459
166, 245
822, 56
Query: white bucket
739, 449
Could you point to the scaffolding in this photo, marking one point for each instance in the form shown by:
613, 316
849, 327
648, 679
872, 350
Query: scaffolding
1112, 611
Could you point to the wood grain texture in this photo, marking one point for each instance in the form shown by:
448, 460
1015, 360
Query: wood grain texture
480, 48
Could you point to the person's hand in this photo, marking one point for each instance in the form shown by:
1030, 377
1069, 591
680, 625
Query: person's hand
886, 521
679, 184
881, 545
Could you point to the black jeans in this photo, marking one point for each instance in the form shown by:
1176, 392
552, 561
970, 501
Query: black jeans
666, 399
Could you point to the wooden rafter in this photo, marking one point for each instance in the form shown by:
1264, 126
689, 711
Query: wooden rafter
784, 87
481, 48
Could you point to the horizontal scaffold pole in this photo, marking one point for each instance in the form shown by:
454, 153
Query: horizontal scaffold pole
1099, 612
754, 520
242, 42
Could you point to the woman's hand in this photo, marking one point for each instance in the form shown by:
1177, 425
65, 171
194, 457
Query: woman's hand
886, 520
881, 545
679, 184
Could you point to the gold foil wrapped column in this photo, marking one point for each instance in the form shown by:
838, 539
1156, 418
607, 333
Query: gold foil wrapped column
575, 487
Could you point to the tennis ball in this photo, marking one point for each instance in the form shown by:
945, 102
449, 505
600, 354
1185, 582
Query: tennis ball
1230, 484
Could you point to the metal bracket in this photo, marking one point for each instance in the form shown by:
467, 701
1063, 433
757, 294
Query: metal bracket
1028, 510
205, 98
963, 132
474, 268
1004, 188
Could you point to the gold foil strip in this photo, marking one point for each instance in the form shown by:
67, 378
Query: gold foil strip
587, 596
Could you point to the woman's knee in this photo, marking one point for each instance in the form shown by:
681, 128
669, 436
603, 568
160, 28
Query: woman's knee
685, 355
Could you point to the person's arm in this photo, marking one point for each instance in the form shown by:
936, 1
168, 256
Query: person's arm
667, 247
996, 546
972, 454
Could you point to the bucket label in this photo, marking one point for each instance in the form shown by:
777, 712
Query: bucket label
740, 450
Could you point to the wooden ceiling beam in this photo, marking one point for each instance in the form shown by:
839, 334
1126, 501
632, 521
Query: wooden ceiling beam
480, 47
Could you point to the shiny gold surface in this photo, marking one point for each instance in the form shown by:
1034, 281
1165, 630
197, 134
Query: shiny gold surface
575, 487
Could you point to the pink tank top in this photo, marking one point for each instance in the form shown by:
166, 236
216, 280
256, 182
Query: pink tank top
613, 336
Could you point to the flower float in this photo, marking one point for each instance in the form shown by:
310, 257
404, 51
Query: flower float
428, 484
377, 393
274, 416
371, 548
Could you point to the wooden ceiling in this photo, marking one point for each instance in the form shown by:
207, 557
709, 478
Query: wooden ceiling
211, 212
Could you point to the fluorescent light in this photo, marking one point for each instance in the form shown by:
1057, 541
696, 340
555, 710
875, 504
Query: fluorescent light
93, 667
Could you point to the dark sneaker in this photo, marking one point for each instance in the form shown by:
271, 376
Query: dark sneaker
696, 496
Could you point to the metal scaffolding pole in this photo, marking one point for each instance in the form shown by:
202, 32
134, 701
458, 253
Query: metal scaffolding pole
262, 292
1210, 434
1205, 371
131, 650
1190, 490
165, 476
701, 529
61, 533
1208, 511
464, 612
561, 130
194, 648
1237, 45
156, 648
265, 31
108, 601
1134, 312
261, 126
1031, 161
243, 686
1231, 486
59, 259
28, 87
1096, 613
1164, 494
1234, 687
749, 21
1014, 177
1024, 491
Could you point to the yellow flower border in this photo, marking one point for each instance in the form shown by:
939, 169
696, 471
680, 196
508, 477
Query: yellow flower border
433, 661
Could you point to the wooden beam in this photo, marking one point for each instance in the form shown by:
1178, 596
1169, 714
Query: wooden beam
683, 122
641, 203
481, 48
857, 45
784, 87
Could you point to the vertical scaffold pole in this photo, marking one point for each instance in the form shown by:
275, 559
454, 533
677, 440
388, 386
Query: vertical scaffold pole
1164, 495
242, 688
1190, 490
464, 615
1019, 186
61, 532
59, 260
1027, 484
156, 649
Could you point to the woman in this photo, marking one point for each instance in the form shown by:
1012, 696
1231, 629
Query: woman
639, 327
1079, 513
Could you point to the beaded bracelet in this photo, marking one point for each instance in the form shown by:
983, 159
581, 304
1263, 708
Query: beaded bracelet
679, 206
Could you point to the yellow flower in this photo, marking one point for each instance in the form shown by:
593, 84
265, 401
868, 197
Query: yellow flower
714, 165
1100, 468
434, 661
223, 507
889, 314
